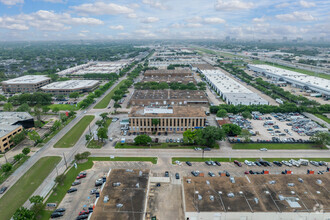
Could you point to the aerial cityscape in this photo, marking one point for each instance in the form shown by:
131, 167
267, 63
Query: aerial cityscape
164, 110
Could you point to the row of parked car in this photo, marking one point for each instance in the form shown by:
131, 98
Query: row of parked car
210, 173
289, 163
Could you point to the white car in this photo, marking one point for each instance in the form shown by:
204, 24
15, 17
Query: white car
178, 162
263, 149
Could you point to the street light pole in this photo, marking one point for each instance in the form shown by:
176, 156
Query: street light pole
66, 165
6, 157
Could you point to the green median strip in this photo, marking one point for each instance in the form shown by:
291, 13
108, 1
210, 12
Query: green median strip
60, 190
106, 100
222, 159
278, 146
4, 176
323, 117
21, 191
161, 146
71, 138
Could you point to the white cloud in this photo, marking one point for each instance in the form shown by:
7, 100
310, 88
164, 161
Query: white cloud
194, 25
150, 20
177, 25
101, 8
214, 20
144, 34
155, 4
232, 5
259, 20
283, 5
296, 16
11, 2
46, 21
85, 31
54, 1
307, 4
132, 15
116, 27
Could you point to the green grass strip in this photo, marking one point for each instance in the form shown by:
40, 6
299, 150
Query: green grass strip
160, 146
323, 117
21, 191
106, 100
71, 138
64, 107
4, 176
278, 146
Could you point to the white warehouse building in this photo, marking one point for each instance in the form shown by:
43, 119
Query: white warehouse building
298, 80
231, 91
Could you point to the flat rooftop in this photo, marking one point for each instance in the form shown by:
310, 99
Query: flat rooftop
175, 111
71, 84
130, 195
28, 79
224, 83
252, 98
258, 194
169, 79
203, 66
8, 119
288, 74
183, 71
169, 94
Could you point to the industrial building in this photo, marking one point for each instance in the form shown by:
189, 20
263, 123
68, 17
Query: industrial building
169, 79
257, 197
230, 90
11, 124
96, 67
168, 97
176, 119
296, 79
67, 87
25, 84
179, 72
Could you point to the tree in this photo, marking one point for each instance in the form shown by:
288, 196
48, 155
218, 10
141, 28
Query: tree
37, 112
231, 129
17, 157
56, 125
26, 151
246, 135
37, 204
56, 109
155, 121
2, 98
102, 133
100, 123
45, 109
36, 199
82, 156
38, 124
321, 138
60, 179
74, 95
116, 105
208, 136
34, 136
24, 214
88, 137
6, 167
104, 116
142, 139
189, 136
18, 138
222, 113
23, 108
246, 114
71, 113
8, 107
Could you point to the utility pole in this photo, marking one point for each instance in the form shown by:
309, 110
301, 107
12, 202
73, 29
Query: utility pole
66, 165
6, 157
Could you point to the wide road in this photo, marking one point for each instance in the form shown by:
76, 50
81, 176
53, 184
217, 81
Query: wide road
314, 118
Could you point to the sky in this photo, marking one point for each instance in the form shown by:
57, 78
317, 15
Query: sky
163, 19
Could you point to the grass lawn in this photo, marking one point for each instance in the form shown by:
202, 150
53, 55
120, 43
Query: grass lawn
64, 107
94, 144
221, 159
277, 146
161, 146
323, 117
26, 185
105, 101
70, 138
307, 72
4, 176
60, 190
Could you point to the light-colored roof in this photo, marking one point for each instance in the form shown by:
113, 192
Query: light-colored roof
71, 84
7, 119
175, 111
28, 79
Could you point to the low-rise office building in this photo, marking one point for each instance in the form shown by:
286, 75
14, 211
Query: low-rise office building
176, 119
67, 87
168, 97
179, 72
11, 124
170, 79
24, 84
231, 91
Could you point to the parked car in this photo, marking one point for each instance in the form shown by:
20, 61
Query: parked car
81, 175
263, 149
237, 163
3, 189
72, 190
211, 174
207, 149
82, 217
166, 174
177, 176
60, 210
194, 173
84, 212
56, 214
77, 182
189, 163
217, 163
208, 163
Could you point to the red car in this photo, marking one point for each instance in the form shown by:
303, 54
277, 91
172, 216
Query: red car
237, 163
246, 172
84, 212
81, 176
